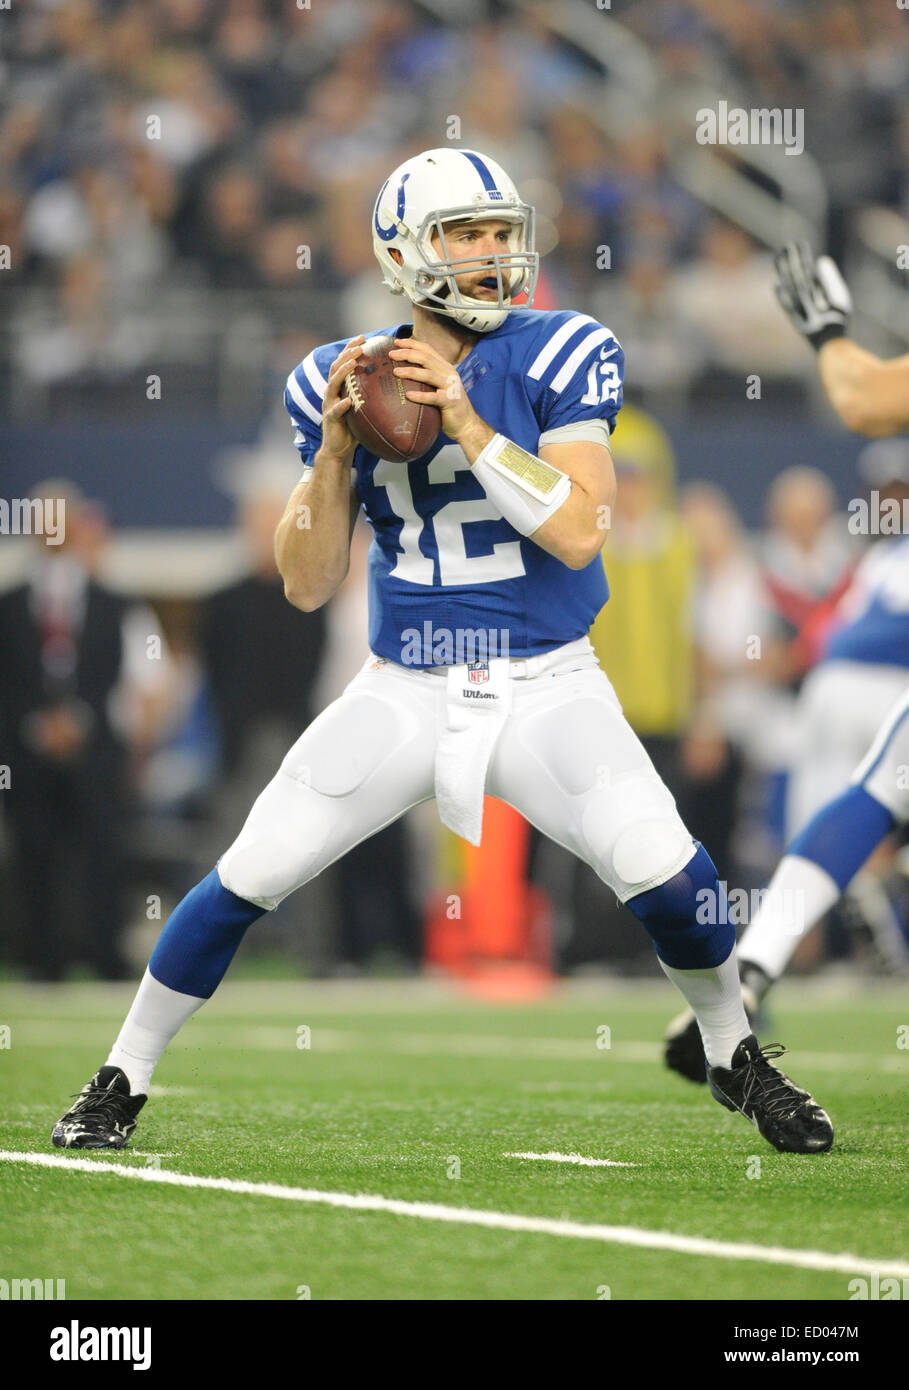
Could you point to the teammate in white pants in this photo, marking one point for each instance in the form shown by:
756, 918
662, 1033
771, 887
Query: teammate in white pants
857, 694
849, 694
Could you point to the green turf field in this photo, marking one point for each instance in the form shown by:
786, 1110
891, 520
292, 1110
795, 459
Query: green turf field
412, 1092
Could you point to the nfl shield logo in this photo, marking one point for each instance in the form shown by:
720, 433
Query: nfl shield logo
477, 672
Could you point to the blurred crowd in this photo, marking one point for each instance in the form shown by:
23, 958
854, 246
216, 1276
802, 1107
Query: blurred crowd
163, 157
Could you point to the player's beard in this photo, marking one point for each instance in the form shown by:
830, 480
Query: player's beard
453, 327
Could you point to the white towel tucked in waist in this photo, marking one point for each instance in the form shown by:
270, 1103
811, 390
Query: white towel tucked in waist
478, 699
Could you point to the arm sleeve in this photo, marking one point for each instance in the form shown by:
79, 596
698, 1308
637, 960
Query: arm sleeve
581, 370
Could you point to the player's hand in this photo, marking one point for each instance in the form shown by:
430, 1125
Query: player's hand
442, 386
813, 293
337, 439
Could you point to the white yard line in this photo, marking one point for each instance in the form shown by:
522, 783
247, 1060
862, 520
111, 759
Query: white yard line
496, 1220
573, 1158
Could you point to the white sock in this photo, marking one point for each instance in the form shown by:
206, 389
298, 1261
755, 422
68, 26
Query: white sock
157, 1013
715, 995
797, 897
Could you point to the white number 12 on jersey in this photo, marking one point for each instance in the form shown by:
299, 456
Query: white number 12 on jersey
455, 565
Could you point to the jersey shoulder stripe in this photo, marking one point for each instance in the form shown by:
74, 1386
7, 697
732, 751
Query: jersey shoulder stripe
557, 341
308, 382
297, 394
315, 378
307, 385
578, 356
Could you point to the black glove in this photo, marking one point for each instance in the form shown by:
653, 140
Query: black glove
813, 293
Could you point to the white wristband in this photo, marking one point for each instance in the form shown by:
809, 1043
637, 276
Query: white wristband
526, 490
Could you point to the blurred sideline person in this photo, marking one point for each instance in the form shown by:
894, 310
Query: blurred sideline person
451, 233
643, 635
807, 559
741, 700
79, 688
261, 655
645, 639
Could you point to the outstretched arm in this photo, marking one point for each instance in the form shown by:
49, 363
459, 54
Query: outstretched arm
868, 393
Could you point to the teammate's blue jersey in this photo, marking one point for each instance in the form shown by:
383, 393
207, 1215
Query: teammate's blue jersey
877, 629
444, 563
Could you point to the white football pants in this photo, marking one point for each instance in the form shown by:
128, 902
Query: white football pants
842, 706
566, 759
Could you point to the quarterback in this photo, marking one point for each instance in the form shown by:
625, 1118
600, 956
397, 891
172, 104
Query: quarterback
484, 578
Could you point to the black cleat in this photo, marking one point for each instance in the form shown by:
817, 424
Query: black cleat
788, 1117
683, 1046
103, 1117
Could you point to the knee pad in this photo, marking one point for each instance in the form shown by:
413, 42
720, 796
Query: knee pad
649, 852
265, 870
632, 834
685, 916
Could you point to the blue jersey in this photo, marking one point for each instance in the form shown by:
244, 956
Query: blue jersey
876, 610
449, 578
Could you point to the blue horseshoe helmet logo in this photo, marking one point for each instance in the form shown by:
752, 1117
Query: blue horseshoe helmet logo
389, 233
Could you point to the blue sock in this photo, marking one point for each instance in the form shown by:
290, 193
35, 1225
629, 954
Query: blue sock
843, 834
200, 938
687, 916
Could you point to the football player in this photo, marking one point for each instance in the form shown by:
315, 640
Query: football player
861, 682
485, 575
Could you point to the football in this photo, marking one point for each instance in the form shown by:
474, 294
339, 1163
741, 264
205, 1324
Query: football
382, 419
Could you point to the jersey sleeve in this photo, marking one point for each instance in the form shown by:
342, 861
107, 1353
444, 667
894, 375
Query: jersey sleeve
579, 370
303, 394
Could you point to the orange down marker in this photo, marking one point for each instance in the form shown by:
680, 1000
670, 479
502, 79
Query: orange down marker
494, 932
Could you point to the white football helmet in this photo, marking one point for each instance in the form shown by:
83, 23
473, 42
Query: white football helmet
451, 185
